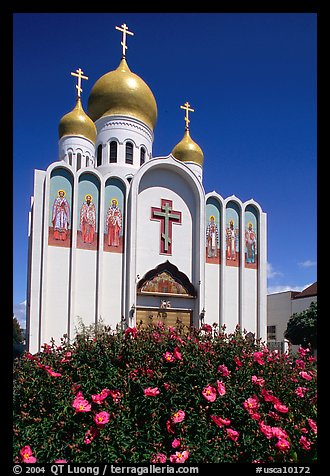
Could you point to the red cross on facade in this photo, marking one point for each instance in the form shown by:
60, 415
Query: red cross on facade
167, 216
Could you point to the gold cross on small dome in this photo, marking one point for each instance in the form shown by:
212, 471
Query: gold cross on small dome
79, 74
188, 109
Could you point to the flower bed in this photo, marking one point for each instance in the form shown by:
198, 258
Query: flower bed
164, 395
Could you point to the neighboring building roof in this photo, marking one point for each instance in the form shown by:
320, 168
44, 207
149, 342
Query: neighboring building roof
307, 292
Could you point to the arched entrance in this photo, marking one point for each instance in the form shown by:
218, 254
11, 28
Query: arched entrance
165, 294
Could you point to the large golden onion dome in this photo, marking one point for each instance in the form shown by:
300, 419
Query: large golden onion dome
77, 123
124, 93
188, 151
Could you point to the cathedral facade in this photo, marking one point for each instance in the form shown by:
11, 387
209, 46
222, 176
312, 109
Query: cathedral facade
121, 237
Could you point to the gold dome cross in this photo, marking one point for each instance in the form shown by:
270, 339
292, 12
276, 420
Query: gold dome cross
79, 74
188, 109
125, 31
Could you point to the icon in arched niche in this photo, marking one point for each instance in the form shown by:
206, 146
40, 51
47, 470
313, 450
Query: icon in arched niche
60, 216
88, 220
87, 212
250, 236
212, 231
212, 237
232, 235
60, 208
114, 224
114, 218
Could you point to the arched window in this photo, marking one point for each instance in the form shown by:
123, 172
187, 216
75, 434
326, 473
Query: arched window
99, 155
78, 161
113, 152
142, 155
70, 158
129, 153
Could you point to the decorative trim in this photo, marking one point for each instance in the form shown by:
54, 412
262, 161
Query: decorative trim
127, 124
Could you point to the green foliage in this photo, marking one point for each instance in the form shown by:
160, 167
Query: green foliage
17, 332
18, 339
301, 328
52, 388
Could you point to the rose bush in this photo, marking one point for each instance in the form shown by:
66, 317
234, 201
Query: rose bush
164, 395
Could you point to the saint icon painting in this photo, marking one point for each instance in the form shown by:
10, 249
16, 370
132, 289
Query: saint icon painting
61, 216
114, 224
87, 212
88, 219
232, 235
251, 238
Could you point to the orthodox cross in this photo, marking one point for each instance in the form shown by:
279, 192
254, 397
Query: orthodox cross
125, 31
79, 74
167, 216
187, 108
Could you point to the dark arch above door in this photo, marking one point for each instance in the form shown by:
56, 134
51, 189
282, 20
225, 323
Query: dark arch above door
166, 278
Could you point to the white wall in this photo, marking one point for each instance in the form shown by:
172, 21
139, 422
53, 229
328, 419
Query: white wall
111, 308
212, 293
35, 260
250, 300
279, 310
55, 308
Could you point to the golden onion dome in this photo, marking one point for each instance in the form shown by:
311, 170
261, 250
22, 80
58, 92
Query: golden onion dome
77, 123
188, 151
124, 93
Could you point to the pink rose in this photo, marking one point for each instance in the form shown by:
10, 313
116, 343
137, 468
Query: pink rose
251, 404
179, 457
223, 370
282, 445
100, 397
305, 375
313, 425
27, 455
266, 430
221, 387
177, 353
90, 435
178, 416
101, 418
305, 443
280, 407
300, 391
220, 421
258, 357
151, 392
80, 404
169, 357
279, 433
131, 330
52, 373
258, 380
209, 393
158, 458
176, 443
232, 434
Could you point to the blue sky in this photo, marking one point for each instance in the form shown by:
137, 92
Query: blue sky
251, 78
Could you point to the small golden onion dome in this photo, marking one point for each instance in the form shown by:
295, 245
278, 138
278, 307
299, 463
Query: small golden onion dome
77, 123
124, 93
188, 151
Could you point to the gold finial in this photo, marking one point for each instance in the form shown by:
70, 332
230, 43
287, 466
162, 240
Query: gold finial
125, 31
187, 108
79, 74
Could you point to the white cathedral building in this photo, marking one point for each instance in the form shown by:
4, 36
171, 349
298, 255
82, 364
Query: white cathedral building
119, 236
